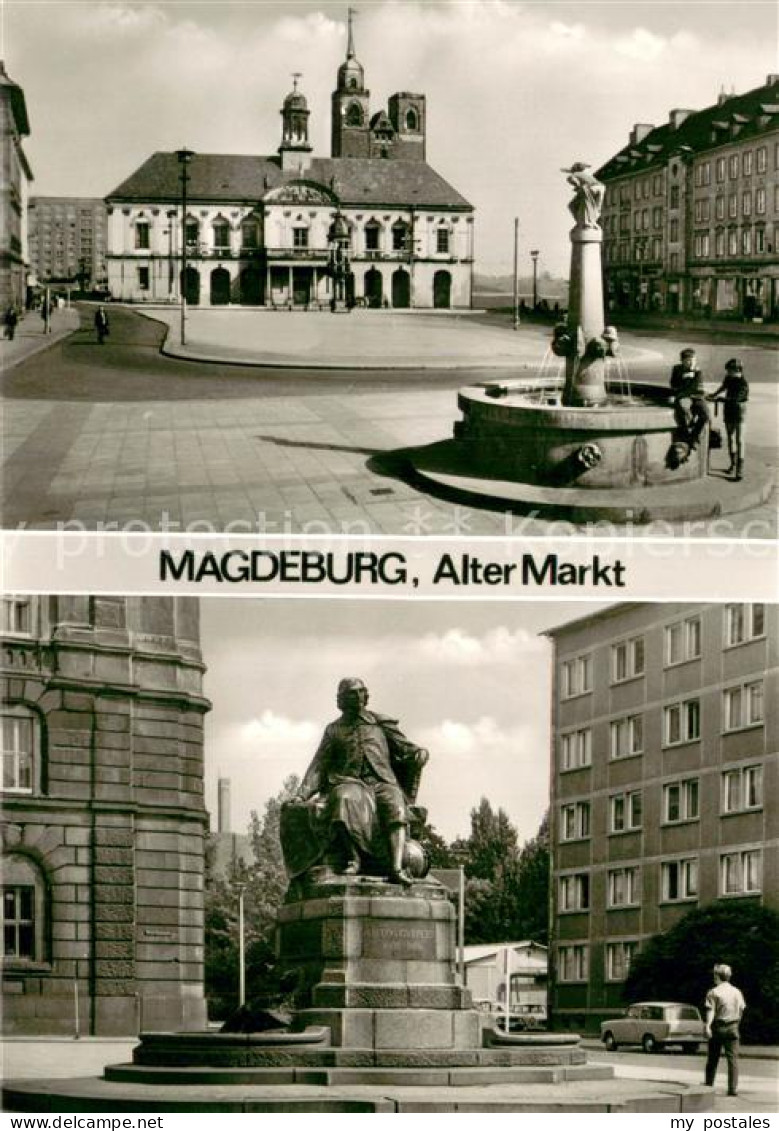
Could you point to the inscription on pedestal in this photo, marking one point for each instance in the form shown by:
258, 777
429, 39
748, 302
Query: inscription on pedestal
396, 940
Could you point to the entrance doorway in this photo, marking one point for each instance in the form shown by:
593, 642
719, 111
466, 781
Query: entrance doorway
401, 289
190, 285
301, 286
442, 290
373, 288
250, 287
220, 287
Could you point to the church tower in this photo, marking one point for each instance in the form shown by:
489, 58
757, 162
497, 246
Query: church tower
295, 148
350, 124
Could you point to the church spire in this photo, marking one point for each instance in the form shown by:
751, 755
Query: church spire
350, 14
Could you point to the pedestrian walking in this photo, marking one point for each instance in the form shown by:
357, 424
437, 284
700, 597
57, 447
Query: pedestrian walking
733, 393
46, 315
101, 324
724, 1006
10, 319
690, 409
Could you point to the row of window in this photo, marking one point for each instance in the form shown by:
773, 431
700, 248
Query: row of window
746, 163
730, 242
743, 707
573, 961
741, 790
727, 206
740, 873
373, 236
682, 641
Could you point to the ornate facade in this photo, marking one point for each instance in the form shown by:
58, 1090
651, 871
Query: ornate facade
259, 231
103, 817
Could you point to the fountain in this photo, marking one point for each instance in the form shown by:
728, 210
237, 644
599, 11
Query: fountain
585, 441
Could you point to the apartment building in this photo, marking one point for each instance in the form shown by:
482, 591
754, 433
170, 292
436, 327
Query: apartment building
691, 212
68, 239
665, 778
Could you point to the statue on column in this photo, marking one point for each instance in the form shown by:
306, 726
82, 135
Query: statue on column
356, 802
585, 207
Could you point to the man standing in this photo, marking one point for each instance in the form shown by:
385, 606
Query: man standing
101, 324
724, 1007
358, 769
734, 392
690, 409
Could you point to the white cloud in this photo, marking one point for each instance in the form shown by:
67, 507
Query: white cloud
485, 736
499, 645
270, 733
642, 45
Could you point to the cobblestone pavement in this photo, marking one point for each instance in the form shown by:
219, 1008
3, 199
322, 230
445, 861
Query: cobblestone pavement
106, 437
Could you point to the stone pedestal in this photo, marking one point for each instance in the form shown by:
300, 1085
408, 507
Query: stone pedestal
585, 377
376, 964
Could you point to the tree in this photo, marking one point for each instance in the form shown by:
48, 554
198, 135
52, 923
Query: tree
507, 890
533, 885
677, 964
492, 843
264, 882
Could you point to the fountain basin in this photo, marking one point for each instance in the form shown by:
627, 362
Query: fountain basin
530, 437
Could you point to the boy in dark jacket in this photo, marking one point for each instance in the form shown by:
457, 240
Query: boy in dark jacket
734, 394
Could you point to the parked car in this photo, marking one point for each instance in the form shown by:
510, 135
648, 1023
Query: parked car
524, 1017
654, 1024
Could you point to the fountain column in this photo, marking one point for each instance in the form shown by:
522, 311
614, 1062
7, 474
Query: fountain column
585, 371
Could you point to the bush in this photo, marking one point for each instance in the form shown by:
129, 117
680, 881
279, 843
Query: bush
677, 965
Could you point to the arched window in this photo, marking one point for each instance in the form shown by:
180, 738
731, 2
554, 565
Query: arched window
412, 119
372, 231
400, 236
250, 235
354, 115
20, 737
25, 911
221, 233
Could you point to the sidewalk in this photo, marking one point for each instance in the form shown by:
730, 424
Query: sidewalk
30, 337
748, 1052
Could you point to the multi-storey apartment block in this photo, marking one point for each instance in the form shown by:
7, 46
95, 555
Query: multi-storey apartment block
68, 239
665, 779
691, 213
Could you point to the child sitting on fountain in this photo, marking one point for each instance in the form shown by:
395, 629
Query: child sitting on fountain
690, 408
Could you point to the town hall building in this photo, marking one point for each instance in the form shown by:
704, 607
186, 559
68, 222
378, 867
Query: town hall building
276, 231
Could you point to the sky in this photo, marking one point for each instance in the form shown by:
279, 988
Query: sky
469, 681
515, 91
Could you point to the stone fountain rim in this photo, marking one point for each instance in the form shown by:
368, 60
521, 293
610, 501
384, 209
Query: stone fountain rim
595, 418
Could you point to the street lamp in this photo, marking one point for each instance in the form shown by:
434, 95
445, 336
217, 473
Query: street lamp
516, 273
534, 257
240, 888
170, 232
184, 157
